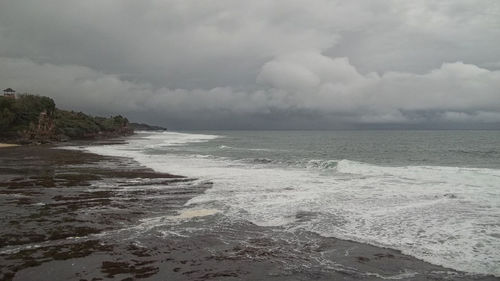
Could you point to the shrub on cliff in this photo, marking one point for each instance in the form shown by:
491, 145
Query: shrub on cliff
75, 124
112, 123
17, 115
7, 114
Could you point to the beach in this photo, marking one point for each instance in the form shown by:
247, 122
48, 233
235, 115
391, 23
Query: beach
249, 140
73, 215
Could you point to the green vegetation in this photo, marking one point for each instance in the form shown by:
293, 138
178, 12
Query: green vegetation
77, 125
17, 114
31, 118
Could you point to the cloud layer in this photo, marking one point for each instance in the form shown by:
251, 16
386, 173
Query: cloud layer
260, 64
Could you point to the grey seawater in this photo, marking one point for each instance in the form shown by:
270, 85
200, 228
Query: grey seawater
281, 195
479, 149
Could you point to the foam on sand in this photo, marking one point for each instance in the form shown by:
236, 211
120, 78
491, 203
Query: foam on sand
194, 213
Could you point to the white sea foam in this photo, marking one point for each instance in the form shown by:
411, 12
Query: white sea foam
240, 148
445, 215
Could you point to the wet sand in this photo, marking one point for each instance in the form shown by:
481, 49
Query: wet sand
2, 145
71, 215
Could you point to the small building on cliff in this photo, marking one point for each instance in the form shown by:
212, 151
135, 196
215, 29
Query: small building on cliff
9, 93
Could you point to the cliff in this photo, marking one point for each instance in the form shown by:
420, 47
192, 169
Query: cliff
35, 119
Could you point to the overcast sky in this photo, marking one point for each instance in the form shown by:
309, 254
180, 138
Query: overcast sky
260, 64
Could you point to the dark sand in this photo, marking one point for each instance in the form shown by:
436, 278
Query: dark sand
70, 215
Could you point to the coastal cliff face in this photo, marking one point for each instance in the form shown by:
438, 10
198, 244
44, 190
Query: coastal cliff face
35, 119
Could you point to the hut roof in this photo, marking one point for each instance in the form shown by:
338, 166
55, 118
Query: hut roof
9, 90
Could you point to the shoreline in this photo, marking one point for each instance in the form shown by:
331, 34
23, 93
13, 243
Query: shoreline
76, 205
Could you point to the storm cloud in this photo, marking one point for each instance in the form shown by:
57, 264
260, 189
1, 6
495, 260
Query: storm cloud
260, 64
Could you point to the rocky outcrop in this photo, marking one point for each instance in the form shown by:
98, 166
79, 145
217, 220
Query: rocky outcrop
146, 127
35, 119
43, 132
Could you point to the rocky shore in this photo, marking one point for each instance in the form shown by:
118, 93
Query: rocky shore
72, 215
55, 203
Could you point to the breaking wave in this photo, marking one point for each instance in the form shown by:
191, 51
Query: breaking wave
445, 215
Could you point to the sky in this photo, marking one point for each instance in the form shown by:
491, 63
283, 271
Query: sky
260, 64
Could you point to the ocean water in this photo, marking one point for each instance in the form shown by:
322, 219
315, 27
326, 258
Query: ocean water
434, 195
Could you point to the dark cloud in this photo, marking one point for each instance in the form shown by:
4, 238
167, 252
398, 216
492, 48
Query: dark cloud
260, 64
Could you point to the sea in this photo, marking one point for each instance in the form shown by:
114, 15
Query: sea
433, 195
